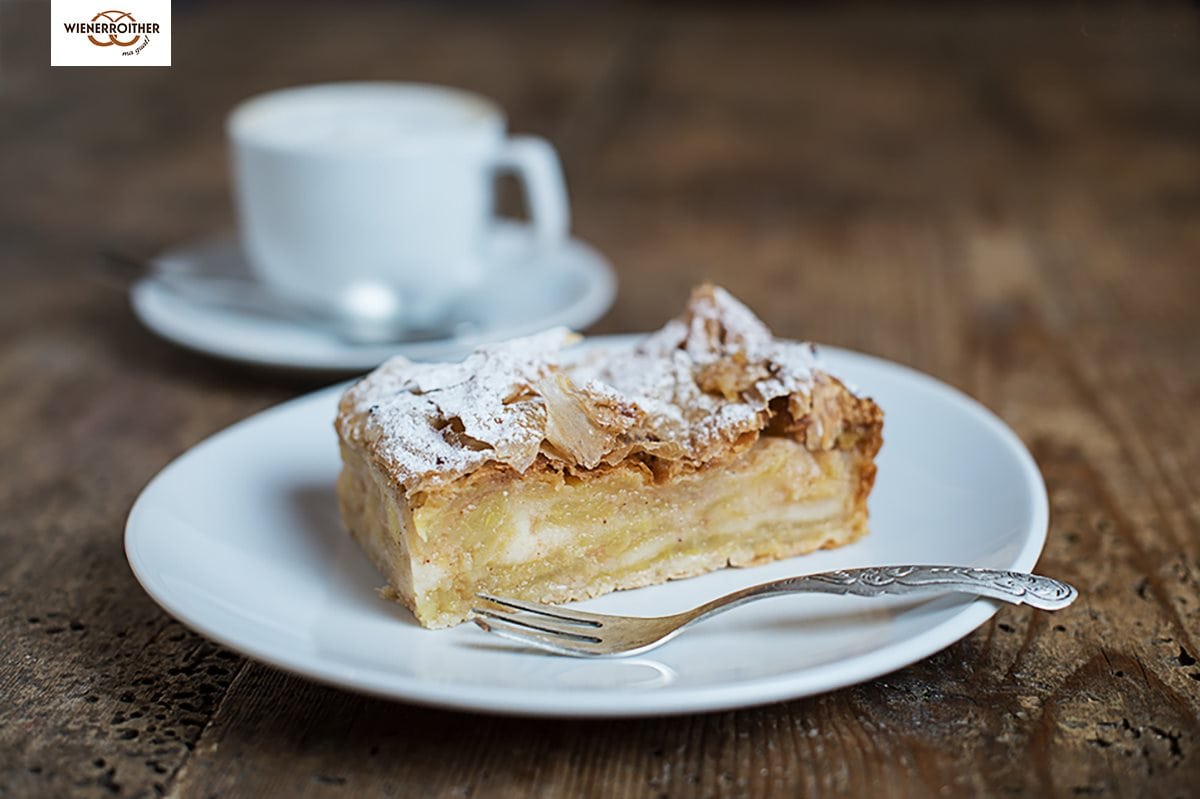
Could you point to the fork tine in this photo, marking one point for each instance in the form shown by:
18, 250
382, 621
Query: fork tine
558, 644
576, 616
539, 623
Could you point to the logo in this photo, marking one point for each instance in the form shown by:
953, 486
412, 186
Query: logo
114, 28
135, 35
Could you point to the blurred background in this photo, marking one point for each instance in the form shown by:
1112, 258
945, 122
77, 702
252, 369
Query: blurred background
836, 166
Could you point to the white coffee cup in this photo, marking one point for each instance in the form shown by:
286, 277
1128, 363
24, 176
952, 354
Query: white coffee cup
345, 185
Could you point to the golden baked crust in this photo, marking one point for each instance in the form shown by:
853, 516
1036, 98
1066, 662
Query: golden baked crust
702, 405
696, 392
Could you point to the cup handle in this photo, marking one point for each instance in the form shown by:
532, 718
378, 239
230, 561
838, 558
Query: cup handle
534, 162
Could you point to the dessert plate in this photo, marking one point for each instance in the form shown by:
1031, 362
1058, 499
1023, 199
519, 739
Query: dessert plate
240, 539
571, 286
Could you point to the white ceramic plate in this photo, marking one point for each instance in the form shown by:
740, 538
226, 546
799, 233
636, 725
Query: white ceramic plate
572, 286
240, 539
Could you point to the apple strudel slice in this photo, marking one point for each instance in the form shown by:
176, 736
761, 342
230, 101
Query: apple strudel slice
532, 472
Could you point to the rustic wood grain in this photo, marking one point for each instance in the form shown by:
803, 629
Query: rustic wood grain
1007, 198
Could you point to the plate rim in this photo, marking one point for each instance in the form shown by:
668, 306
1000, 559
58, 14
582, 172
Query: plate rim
145, 297
524, 702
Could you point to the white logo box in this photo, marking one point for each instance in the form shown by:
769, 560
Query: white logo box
110, 33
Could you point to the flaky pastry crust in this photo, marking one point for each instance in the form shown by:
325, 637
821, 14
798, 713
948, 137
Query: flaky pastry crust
691, 396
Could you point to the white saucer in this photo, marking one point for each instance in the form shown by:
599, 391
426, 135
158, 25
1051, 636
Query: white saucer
240, 539
572, 286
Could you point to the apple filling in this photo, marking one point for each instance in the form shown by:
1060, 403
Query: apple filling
553, 537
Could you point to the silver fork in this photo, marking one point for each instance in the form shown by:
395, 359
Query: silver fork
574, 632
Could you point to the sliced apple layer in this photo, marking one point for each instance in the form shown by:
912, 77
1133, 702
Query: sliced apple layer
551, 537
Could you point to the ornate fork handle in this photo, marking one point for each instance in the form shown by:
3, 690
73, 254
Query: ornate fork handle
1013, 587
572, 632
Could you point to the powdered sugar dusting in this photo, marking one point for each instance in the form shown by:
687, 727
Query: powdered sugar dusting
444, 419
665, 373
684, 392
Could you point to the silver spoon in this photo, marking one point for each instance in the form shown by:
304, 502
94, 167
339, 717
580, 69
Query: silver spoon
365, 313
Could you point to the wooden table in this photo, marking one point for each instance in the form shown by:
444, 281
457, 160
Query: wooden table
1006, 199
